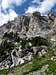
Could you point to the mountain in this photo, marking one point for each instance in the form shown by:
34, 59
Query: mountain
31, 25
26, 37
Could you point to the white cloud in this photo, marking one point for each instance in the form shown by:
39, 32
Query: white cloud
9, 3
44, 7
18, 2
30, 9
4, 4
5, 16
12, 14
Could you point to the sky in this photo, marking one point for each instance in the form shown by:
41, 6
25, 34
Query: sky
9, 9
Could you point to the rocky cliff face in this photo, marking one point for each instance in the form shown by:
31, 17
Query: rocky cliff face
31, 25
25, 37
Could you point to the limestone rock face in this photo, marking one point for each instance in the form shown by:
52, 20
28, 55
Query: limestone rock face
31, 25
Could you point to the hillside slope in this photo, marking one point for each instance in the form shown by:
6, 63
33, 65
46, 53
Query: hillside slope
28, 44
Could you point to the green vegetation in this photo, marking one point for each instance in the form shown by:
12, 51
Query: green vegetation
37, 62
5, 47
4, 72
35, 65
